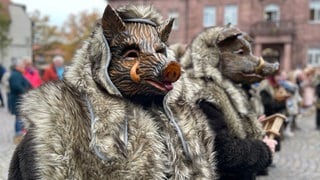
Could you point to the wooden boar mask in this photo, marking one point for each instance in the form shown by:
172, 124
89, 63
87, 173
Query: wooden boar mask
139, 61
237, 61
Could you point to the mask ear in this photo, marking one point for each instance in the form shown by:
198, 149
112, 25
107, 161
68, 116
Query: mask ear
112, 23
164, 30
228, 33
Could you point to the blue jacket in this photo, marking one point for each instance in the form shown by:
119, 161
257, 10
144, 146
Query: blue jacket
18, 86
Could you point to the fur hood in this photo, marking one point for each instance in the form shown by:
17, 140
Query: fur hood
201, 62
81, 73
202, 57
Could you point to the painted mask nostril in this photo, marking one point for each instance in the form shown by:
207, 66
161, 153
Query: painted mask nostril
172, 72
133, 72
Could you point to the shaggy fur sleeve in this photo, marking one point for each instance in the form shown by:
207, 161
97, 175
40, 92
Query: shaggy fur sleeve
23, 162
235, 155
241, 155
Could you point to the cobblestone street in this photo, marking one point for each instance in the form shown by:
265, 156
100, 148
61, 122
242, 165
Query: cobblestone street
298, 159
6, 141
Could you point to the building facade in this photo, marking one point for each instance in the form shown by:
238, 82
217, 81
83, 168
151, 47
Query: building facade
287, 31
20, 33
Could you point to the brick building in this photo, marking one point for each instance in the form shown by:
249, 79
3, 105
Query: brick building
284, 30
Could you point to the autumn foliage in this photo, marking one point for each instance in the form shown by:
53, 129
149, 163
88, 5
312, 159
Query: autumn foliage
50, 40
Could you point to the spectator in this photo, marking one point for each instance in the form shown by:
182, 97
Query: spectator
31, 73
6, 88
2, 72
55, 70
292, 106
316, 83
308, 89
271, 103
18, 86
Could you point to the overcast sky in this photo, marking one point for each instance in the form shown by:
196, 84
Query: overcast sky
58, 10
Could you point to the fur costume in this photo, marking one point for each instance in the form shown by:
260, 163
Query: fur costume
240, 151
84, 128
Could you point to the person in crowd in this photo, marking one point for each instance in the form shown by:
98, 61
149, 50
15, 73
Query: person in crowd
55, 70
318, 107
297, 98
316, 83
273, 100
218, 61
31, 73
112, 116
2, 72
308, 89
19, 85
6, 88
292, 106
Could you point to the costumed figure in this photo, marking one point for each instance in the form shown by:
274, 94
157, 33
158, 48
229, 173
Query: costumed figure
218, 60
109, 117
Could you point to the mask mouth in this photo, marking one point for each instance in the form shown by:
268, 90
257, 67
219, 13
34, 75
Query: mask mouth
262, 70
252, 75
163, 86
170, 74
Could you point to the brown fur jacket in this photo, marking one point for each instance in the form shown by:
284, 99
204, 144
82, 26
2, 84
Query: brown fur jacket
77, 130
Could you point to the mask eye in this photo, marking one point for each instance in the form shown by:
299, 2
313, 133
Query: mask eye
162, 51
239, 51
131, 54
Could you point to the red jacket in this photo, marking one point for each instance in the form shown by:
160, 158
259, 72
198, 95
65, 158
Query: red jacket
50, 74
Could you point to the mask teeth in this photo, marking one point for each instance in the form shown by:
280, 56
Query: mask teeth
260, 66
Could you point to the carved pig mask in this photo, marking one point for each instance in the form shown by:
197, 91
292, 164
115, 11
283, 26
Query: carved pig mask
237, 61
139, 64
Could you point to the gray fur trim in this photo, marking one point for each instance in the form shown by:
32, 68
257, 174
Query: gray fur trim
170, 116
108, 58
140, 20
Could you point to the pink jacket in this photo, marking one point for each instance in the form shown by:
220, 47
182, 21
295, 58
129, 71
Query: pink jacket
32, 75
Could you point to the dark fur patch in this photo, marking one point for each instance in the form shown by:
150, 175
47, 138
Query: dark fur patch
23, 162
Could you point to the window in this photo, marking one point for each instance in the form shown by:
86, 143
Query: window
175, 15
314, 57
314, 11
272, 13
209, 16
231, 14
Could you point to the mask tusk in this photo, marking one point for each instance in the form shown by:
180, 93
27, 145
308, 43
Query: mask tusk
133, 72
260, 66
